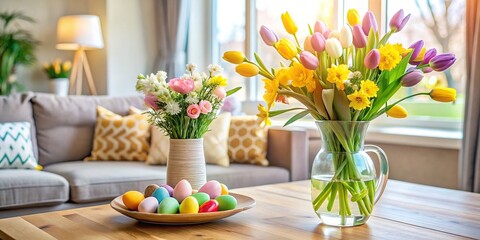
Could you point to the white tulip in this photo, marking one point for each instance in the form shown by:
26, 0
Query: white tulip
346, 37
333, 47
334, 34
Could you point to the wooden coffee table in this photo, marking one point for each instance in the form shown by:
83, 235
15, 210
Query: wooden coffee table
283, 211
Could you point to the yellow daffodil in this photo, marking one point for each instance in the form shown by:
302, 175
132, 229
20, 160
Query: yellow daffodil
247, 69
263, 115
358, 100
389, 57
283, 75
401, 50
302, 77
271, 91
235, 57
369, 88
353, 17
289, 24
397, 111
337, 75
218, 80
286, 49
442, 94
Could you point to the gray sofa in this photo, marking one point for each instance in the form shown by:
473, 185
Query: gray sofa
62, 132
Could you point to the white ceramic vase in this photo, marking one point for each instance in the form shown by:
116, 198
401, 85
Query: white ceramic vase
186, 160
59, 86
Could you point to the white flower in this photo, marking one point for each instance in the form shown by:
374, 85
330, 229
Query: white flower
172, 108
161, 76
198, 86
196, 76
186, 76
203, 75
191, 67
192, 98
215, 69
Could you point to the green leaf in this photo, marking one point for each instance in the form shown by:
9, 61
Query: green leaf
232, 91
296, 117
259, 61
327, 96
278, 112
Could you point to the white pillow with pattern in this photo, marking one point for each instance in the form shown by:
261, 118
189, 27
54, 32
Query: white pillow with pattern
16, 149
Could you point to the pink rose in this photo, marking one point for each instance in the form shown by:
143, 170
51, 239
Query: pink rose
220, 92
193, 111
182, 86
151, 101
205, 106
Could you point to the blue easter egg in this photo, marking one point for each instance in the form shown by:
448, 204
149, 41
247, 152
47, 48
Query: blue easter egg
160, 194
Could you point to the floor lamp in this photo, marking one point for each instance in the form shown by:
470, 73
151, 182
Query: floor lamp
80, 33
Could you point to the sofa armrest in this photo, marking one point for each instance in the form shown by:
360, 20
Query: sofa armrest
288, 148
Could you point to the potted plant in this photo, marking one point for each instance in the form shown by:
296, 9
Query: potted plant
58, 73
17, 46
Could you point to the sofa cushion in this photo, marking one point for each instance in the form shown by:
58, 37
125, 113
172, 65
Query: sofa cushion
18, 108
16, 149
93, 181
65, 125
22, 187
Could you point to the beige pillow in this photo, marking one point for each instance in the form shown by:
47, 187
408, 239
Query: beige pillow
120, 138
215, 143
247, 142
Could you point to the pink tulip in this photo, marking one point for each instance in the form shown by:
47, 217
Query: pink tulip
318, 42
398, 21
182, 86
268, 36
205, 106
417, 47
320, 27
326, 34
359, 38
220, 92
372, 59
308, 60
307, 44
193, 111
369, 22
151, 102
427, 70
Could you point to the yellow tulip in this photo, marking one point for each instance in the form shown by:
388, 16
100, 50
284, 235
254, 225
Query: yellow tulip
235, 57
353, 17
288, 23
286, 49
443, 94
66, 66
56, 67
397, 111
247, 69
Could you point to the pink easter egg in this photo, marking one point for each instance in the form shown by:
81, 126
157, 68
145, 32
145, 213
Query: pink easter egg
212, 188
182, 190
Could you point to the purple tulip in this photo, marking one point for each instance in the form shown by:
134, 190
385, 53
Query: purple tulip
151, 101
417, 47
268, 36
372, 59
442, 61
318, 42
320, 27
429, 54
359, 38
308, 60
398, 21
369, 22
427, 70
412, 78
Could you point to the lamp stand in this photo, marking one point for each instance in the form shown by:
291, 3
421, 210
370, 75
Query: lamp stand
80, 63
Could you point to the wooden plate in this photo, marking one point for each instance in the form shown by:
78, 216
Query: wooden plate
243, 203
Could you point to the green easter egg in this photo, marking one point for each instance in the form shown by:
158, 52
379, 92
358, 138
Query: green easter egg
226, 202
169, 206
201, 197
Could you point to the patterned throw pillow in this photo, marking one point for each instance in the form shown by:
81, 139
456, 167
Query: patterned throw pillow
247, 142
120, 138
16, 149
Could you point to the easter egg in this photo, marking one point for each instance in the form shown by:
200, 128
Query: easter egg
226, 202
212, 188
182, 190
201, 197
169, 189
150, 189
189, 205
224, 189
160, 194
209, 206
132, 199
148, 205
168, 206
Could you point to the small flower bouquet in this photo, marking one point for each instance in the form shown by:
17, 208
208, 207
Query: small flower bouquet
185, 106
58, 69
344, 79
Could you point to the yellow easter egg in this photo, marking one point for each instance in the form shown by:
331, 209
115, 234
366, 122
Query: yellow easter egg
189, 205
224, 189
132, 199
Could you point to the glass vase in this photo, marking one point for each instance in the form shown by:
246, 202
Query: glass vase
344, 183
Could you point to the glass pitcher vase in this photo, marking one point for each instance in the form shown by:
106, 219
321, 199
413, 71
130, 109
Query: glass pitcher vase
344, 183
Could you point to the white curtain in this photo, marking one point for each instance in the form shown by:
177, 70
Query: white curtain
172, 17
469, 167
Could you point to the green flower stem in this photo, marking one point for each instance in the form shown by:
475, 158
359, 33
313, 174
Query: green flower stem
333, 194
322, 196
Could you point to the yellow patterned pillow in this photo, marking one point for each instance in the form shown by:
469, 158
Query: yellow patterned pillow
247, 142
120, 138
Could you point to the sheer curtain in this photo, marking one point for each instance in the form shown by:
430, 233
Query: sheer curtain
172, 18
469, 169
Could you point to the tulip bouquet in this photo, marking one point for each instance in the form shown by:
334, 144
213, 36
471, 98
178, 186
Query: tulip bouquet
184, 107
58, 69
346, 75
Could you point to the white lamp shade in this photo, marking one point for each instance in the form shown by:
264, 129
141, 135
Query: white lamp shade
79, 31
